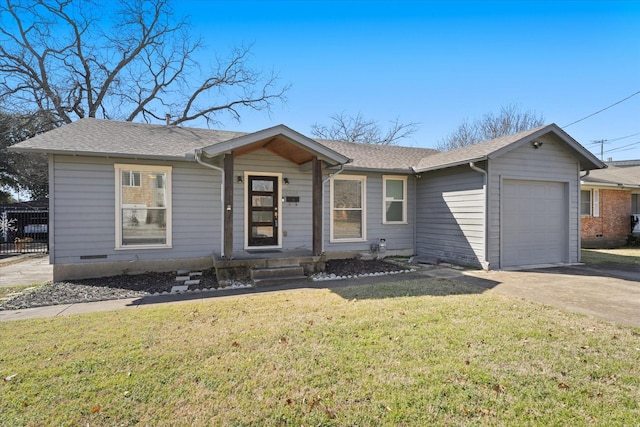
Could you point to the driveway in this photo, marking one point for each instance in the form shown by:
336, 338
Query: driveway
607, 291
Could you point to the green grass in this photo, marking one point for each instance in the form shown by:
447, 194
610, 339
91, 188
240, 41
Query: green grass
616, 256
409, 353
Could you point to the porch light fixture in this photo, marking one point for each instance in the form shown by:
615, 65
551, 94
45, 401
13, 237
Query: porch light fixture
536, 144
286, 180
239, 179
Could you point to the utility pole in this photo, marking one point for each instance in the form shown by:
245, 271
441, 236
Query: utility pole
601, 142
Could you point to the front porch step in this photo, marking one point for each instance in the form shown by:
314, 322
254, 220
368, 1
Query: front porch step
276, 275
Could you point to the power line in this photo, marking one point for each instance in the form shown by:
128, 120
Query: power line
624, 146
623, 137
600, 111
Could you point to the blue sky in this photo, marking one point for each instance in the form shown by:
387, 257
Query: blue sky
439, 63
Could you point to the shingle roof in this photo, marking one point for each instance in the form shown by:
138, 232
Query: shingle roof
125, 139
95, 137
615, 175
473, 152
371, 156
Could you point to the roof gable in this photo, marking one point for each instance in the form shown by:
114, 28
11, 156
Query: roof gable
280, 140
494, 148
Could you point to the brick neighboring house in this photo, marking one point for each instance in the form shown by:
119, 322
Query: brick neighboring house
609, 198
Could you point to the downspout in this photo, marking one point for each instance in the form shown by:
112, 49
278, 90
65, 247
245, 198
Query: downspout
416, 177
199, 160
324, 181
485, 262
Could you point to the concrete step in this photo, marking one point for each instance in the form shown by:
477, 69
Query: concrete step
273, 272
273, 281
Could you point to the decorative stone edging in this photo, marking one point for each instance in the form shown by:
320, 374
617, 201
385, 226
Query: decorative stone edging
321, 277
236, 285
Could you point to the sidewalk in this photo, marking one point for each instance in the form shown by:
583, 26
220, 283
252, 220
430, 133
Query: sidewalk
25, 270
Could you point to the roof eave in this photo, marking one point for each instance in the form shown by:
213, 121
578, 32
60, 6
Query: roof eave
450, 165
188, 157
407, 171
608, 184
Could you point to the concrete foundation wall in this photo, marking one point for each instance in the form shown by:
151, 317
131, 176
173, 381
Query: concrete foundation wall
104, 269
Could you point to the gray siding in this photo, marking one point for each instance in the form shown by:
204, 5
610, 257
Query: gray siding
399, 237
552, 162
84, 211
450, 215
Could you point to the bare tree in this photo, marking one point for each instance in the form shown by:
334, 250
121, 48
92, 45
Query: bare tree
509, 120
75, 59
22, 171
358, 129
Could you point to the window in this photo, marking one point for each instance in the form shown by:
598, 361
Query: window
585, 202
589, 203
131, 179
635, 203
143, 211
348, 208
394, 189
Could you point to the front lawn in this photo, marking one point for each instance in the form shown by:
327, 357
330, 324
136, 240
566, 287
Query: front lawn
410, 353
616, 256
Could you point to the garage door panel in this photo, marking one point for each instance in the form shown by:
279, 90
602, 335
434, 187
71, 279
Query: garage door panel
533, 222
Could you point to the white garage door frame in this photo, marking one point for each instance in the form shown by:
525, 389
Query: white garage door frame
565, 221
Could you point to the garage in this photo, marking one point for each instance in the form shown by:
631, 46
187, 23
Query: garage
534, 219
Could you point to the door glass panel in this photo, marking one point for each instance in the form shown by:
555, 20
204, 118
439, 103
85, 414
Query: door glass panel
260, 185
263, 201
261, 231
260, 216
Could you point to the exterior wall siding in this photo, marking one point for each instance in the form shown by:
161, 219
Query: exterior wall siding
611, 227
552, 162
84, 211
450, 216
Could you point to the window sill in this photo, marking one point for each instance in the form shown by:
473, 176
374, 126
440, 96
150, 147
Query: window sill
347, 240
395, 223
139, 247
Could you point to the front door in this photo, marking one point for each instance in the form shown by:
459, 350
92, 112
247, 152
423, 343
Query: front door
263, 210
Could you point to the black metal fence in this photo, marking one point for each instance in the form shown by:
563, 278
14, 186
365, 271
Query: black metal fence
24, 228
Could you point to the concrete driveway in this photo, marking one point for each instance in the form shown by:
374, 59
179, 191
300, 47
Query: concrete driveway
607, 291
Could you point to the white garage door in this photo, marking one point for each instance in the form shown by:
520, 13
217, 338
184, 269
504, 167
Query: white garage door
534, 223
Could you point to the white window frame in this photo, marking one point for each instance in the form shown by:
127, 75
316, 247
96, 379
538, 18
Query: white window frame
594, 203
363, 207
119, 168
386, 178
